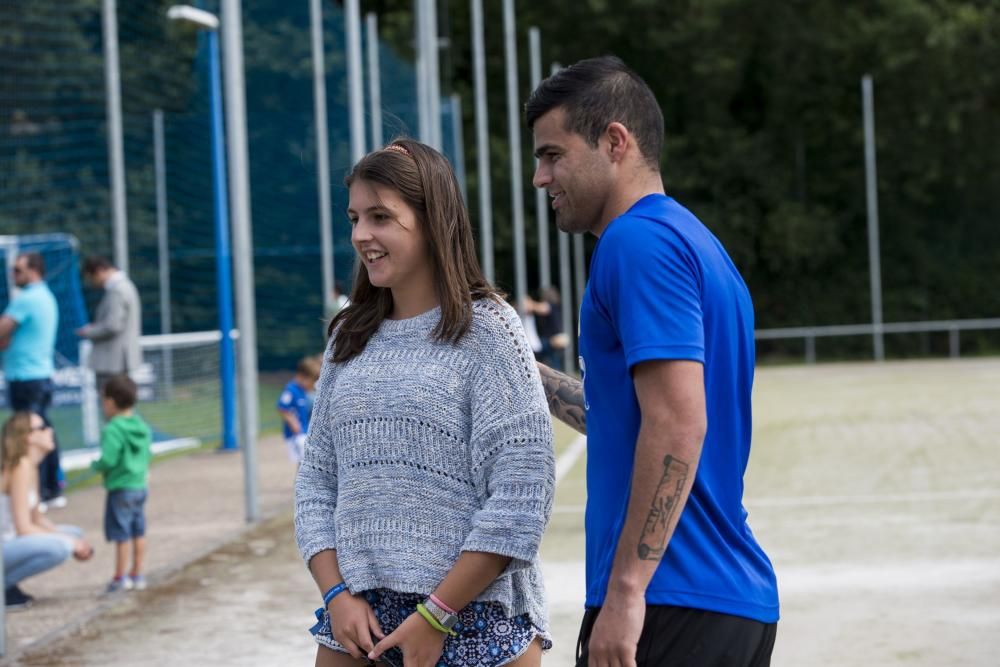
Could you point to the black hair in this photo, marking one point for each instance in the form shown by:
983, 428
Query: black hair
122, 391
34, 261
95, 263
597, 92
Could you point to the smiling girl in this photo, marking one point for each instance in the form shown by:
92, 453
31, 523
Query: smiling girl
428, 476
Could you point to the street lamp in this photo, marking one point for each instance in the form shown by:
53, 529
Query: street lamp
223, 256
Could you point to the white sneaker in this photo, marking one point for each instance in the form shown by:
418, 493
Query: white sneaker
116, 585
58, 502
138, 583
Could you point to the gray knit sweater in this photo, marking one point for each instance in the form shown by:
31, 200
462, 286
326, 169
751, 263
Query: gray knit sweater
419, 450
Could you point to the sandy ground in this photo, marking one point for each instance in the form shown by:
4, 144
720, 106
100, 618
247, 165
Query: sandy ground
196, 504
876, 491
874, 488
248, 603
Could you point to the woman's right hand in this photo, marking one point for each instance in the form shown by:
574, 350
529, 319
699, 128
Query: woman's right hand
353, 623
82, 549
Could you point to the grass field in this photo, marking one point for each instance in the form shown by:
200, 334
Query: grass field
875, 489
192, 411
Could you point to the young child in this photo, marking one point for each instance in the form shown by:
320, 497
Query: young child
295, 406
429, 473
124, 463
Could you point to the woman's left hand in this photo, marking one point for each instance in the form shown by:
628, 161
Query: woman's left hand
420, 643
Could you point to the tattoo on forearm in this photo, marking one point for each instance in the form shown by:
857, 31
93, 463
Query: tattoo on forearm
565, 397
653, 542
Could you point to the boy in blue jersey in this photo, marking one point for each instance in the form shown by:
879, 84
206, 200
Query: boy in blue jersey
674, 574
295, 406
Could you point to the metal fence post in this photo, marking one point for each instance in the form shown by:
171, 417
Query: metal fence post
810, 349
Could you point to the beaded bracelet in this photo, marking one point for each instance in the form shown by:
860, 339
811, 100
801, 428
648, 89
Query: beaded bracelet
429, 617
436, 600
334, 592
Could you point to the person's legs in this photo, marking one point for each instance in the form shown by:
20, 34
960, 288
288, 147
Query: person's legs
36, 396
138, 556
28, 555
22, 395
532, 656
137, 529
327, 657
72, 531
121, 559
116, 529
692, 638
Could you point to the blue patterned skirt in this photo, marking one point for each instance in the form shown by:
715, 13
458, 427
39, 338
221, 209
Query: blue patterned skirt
486, 638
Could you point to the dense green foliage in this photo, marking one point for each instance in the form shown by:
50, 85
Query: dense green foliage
764, 141
764, 137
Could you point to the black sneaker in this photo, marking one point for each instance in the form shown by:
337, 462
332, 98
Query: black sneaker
17, 599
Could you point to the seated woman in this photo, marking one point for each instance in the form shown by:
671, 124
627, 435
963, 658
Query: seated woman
31, 543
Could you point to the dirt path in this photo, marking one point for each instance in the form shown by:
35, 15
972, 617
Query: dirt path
875, 489
246, 604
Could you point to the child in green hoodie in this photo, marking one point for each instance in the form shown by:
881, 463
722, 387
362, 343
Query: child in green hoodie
124, 463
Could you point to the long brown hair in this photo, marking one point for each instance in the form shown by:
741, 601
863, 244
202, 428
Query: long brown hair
16, 431
426, 182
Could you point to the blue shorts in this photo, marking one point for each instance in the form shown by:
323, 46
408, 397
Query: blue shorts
124, 515
486, 637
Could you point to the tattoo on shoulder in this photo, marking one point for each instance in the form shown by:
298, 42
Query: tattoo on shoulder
653, 541
565, 397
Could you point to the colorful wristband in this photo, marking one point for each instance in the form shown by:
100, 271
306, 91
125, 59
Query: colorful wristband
436, 600
434, 623
334, 592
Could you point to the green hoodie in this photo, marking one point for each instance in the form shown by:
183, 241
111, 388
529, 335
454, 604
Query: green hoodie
125, 453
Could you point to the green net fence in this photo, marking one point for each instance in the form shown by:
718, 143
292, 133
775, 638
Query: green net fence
54, 178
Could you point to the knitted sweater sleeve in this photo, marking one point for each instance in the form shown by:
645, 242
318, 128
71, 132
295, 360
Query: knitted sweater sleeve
316, 483
513, 462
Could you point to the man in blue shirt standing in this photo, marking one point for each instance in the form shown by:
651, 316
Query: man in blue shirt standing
674, 574
28, 338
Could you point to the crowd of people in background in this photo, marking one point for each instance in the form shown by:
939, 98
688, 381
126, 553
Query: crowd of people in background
33, 479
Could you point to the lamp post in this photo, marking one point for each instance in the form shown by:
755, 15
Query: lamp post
223, 255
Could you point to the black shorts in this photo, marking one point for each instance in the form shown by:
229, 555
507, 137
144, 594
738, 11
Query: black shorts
682, 637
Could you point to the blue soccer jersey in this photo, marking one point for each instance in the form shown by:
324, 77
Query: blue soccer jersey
294, 399
662, 287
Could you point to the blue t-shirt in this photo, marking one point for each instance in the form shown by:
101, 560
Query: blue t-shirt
294, 399
662, 287
29, 355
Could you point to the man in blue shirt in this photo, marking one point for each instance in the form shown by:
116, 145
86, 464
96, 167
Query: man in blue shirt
28, 338
674, 574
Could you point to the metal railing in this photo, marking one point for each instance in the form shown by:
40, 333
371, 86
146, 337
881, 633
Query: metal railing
810, 334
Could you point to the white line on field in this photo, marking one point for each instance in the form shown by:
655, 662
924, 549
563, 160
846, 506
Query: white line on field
564, 579
570, 456
873, 499
902, 575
